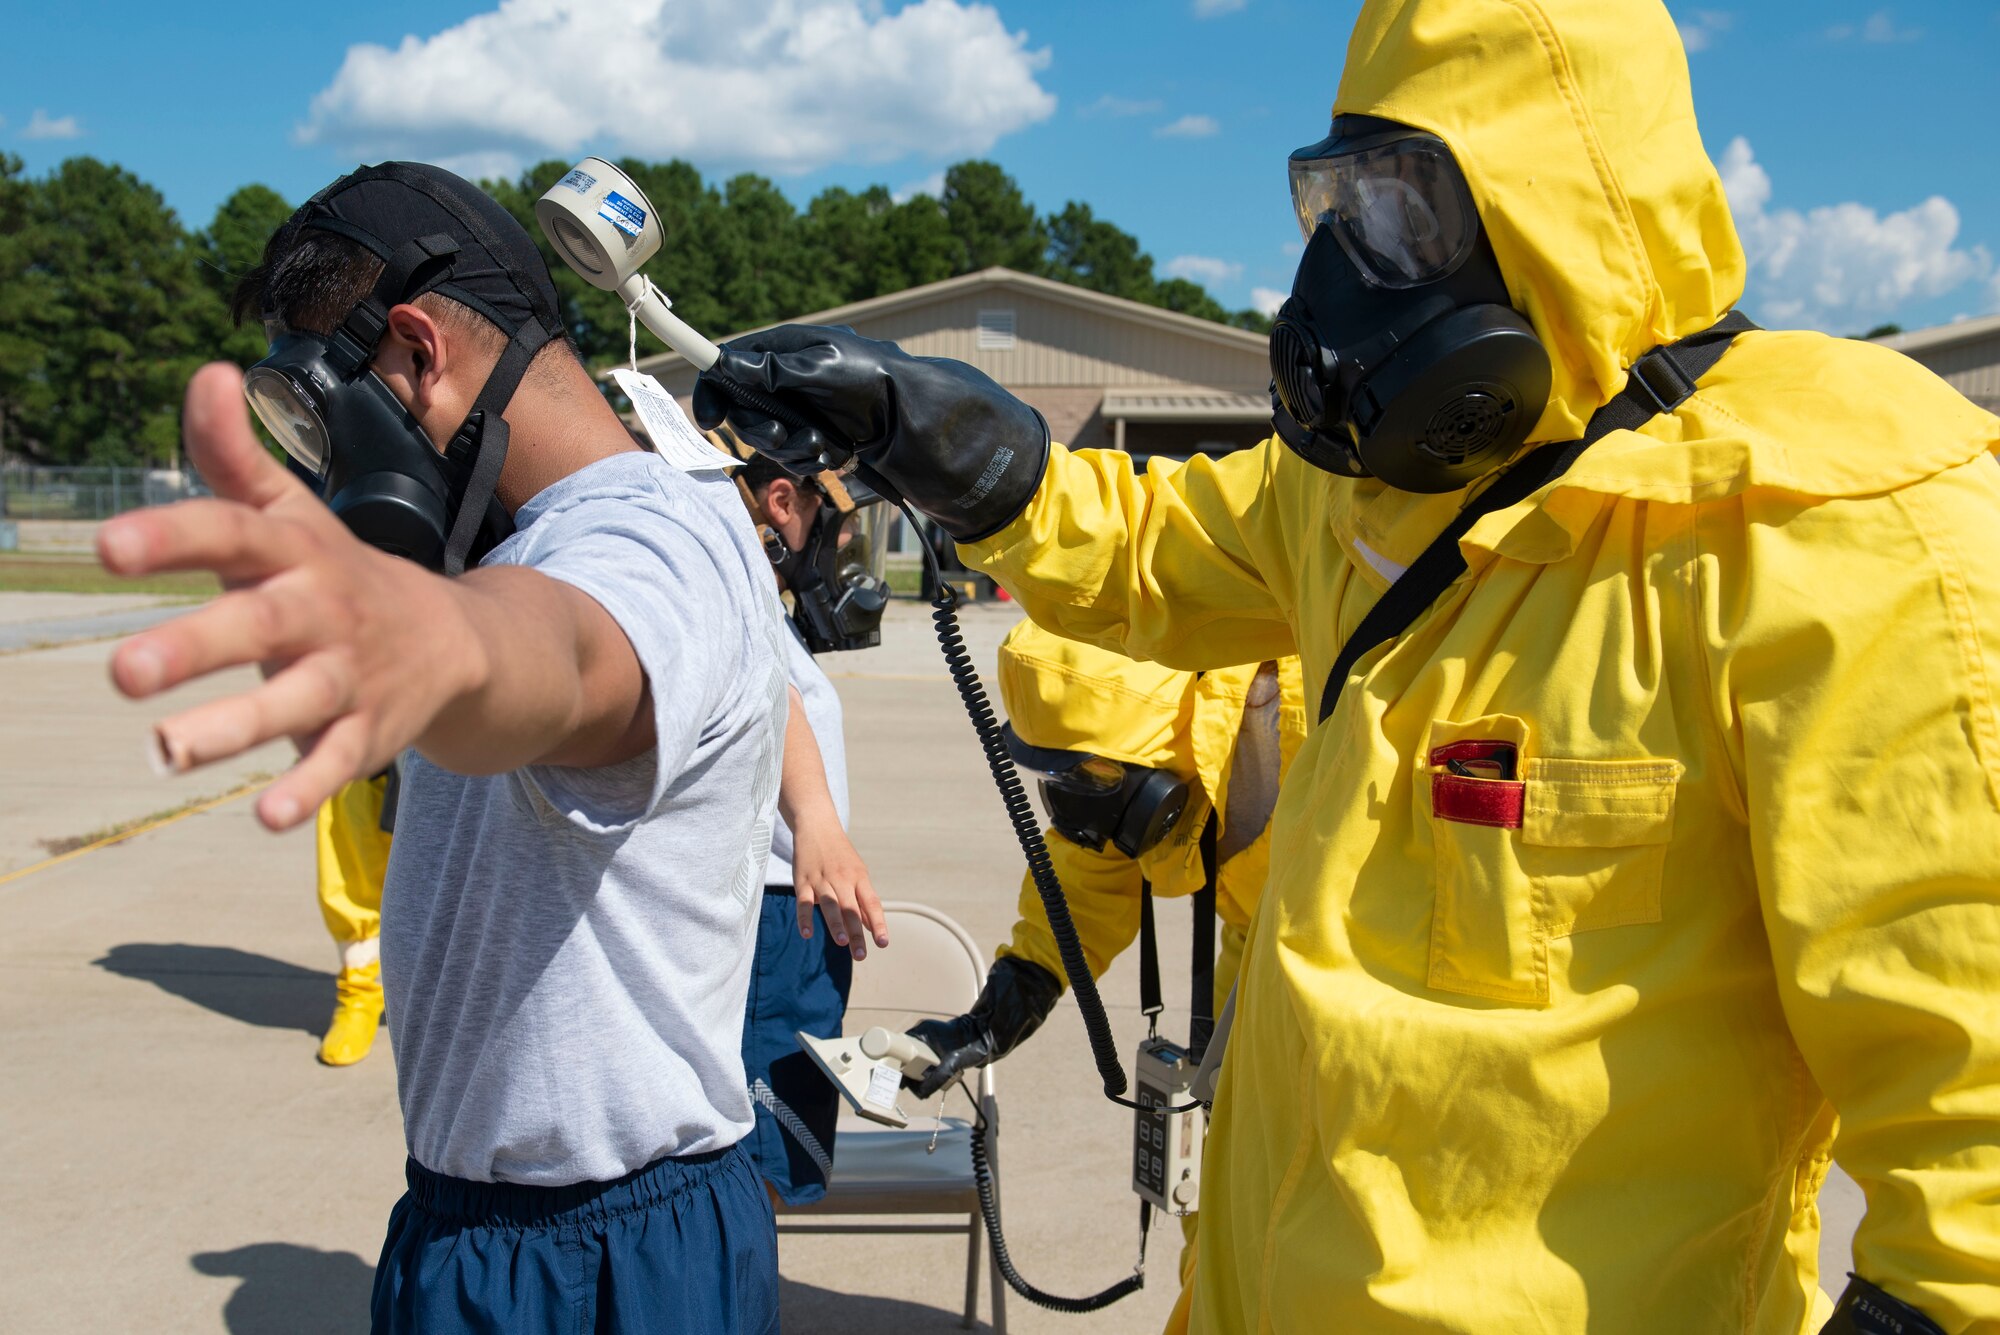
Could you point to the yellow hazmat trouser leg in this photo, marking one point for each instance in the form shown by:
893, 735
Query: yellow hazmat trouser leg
353, 860
1228, 961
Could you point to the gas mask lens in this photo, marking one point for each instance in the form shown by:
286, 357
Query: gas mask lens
289, 415
861, 559
1090, 776
1401, 210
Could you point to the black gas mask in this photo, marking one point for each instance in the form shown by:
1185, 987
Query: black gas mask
373, 463
1398, 355
1093, 800
835, 577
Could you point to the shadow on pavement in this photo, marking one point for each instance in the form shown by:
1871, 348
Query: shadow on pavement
254, 989
808, 1310
291, 1290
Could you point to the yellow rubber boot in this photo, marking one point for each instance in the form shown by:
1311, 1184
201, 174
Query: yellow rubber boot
356, 1016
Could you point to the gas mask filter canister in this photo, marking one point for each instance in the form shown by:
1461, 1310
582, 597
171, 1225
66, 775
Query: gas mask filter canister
1093, 800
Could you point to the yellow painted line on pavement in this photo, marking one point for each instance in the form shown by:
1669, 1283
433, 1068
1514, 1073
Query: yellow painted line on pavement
146, 827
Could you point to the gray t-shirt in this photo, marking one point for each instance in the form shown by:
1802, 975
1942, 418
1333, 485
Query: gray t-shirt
567, 951
822, 706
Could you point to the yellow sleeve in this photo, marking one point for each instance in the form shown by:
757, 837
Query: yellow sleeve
1864, 685
1184, 564
1103, 894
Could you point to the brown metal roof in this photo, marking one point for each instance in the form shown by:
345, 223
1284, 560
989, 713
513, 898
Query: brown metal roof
1143, 405
1000, 279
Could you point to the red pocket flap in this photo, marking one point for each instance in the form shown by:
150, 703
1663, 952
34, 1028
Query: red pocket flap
1479, 801
1479, 787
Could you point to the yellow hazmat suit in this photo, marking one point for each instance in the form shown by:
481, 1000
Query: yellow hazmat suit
1075, 697
1069, 696
1581, 1075
353, 860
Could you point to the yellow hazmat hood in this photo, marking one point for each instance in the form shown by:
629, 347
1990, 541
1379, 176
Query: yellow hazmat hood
1573, 122
1069, 696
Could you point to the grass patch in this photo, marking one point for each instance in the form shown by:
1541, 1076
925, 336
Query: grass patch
125, 829
31, 572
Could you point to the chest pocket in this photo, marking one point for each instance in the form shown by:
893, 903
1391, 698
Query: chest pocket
1530, 850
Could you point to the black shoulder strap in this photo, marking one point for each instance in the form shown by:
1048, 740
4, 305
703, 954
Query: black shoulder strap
1151, 1001
1201, 976
1660, 382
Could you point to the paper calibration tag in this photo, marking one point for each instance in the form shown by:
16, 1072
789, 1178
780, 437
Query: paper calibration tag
673, 435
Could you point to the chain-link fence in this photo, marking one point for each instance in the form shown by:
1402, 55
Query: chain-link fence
31, 492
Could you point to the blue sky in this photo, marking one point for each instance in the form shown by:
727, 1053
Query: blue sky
1867, 176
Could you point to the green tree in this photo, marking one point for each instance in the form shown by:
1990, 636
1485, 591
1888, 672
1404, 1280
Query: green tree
23, 370
993, 222
110, 296
1089, 252
231, 247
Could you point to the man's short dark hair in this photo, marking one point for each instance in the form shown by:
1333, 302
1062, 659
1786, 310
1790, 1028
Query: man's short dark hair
310, 279
760, 472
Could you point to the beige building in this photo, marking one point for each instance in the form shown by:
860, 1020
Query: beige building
1966, 354
1103, 370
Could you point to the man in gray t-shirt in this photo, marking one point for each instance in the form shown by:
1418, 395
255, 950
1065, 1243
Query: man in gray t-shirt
595, 925
595, 719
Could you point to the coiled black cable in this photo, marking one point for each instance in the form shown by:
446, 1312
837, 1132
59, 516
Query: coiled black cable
1028, 830
989, 1210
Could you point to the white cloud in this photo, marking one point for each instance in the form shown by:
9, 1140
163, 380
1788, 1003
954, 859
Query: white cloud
41, 125
1203, 269
1208, 9
1699, 31
776, 85
1880, 28
1841, 267
1189, 127
932, 185
1267, 299
1122, 106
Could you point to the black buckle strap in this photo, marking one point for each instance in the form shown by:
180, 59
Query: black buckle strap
1659, 382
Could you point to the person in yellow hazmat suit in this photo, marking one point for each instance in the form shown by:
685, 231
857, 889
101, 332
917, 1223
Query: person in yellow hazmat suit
1652, 857
353, 859
1155, 747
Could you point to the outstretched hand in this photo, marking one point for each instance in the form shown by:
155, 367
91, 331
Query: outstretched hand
358, 648
828, 874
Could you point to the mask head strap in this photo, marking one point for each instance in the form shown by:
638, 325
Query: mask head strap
413, 270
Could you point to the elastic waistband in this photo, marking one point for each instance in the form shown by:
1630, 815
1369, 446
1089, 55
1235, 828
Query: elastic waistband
511, 1205
788, 891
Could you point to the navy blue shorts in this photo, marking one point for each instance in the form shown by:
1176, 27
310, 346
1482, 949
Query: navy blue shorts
682, 1245
795, 984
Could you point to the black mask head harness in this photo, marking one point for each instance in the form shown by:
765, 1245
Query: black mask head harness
1398, 355
1093, 800
372, 461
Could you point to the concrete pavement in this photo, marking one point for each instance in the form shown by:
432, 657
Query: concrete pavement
178, 1161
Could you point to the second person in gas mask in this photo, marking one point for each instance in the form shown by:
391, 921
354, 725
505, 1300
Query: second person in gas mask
1651, 832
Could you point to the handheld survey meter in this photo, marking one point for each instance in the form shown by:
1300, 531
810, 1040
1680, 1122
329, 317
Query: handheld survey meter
1167, 1128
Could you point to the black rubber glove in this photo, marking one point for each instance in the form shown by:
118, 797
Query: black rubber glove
1017, 997
1866, 1310
956, 445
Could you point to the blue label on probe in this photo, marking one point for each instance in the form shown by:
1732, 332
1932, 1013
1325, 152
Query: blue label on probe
622, 213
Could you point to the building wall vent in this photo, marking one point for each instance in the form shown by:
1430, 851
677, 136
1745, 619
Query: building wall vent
996, 331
